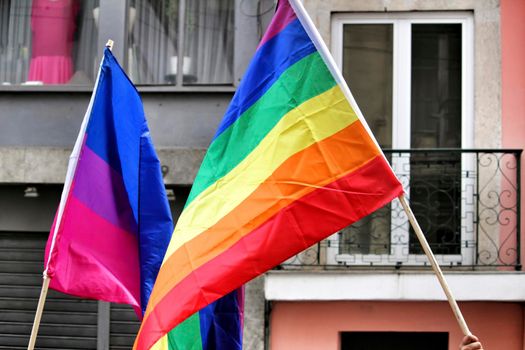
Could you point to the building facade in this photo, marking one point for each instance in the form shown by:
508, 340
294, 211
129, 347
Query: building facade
441, 84
49, 55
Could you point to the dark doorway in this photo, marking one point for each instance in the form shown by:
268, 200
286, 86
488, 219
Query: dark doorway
394, 340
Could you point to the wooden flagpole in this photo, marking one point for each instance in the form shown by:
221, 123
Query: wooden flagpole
319, 43
70, 171
39, 310
435, 266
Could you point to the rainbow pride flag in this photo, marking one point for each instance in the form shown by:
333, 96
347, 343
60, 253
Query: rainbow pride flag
218, 326
291, 163
113, 224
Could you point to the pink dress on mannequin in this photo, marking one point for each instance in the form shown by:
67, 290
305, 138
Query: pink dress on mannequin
53, 26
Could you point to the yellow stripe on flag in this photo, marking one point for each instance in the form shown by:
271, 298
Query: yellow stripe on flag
161, 344
311, 122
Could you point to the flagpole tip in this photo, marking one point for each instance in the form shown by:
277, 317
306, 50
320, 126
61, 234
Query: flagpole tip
109, 44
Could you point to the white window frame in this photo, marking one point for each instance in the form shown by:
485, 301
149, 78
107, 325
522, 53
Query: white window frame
401, 115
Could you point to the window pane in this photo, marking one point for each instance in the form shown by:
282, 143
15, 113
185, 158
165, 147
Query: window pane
153, 56
152, 44
435, 184
370, 235
208, 49
436, 85
47, 42
367, 68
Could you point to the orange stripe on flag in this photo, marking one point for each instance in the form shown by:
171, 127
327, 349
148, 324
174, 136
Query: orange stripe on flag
304, 172
357, 194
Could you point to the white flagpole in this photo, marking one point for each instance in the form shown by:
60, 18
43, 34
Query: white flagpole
312, 31
71, 168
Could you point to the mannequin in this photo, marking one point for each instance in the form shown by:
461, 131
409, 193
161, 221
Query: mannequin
53, 27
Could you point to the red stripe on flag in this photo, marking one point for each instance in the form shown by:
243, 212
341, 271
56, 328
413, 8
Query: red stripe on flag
315, 166
335, 205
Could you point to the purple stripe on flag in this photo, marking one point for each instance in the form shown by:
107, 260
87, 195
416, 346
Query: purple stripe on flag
284, 15
102, 190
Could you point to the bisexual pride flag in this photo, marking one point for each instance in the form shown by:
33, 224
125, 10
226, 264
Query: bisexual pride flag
291, 163
113, 224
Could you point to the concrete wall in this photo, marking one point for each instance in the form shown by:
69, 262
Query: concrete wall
38, 130
39, 124
317, 325
253, 335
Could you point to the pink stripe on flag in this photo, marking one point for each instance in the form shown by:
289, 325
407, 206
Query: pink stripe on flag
101, 189
98, 260
284, 15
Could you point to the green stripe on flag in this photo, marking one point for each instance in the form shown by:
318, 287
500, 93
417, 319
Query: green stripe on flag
187, 335
304, 80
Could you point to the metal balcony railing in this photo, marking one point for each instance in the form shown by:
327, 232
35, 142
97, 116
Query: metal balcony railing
467, 202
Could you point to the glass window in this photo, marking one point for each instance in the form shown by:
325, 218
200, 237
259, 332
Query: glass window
208, 49
435, 188
407, 74
367, 67
56, 41
47, 42
205, 44
436, 85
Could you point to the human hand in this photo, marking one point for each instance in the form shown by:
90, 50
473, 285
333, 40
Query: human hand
470, 342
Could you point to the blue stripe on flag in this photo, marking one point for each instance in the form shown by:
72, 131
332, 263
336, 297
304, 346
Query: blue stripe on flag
267, 66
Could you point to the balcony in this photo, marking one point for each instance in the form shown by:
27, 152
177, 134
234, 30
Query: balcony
467, 202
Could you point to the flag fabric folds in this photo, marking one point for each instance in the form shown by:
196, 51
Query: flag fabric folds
291, 163
217, 326
113, 224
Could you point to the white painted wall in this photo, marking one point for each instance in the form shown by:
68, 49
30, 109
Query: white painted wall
406, 286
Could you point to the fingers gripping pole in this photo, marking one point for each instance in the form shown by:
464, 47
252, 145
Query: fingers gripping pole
39, 310
435, 266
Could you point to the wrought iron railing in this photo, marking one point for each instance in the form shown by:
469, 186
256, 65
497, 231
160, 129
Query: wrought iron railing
467, 202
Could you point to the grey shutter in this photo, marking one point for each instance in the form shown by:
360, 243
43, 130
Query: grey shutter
123, 328
67, 322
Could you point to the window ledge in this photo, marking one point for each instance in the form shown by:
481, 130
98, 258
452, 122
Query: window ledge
46, 88
141, 89
466, 286
200, 88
